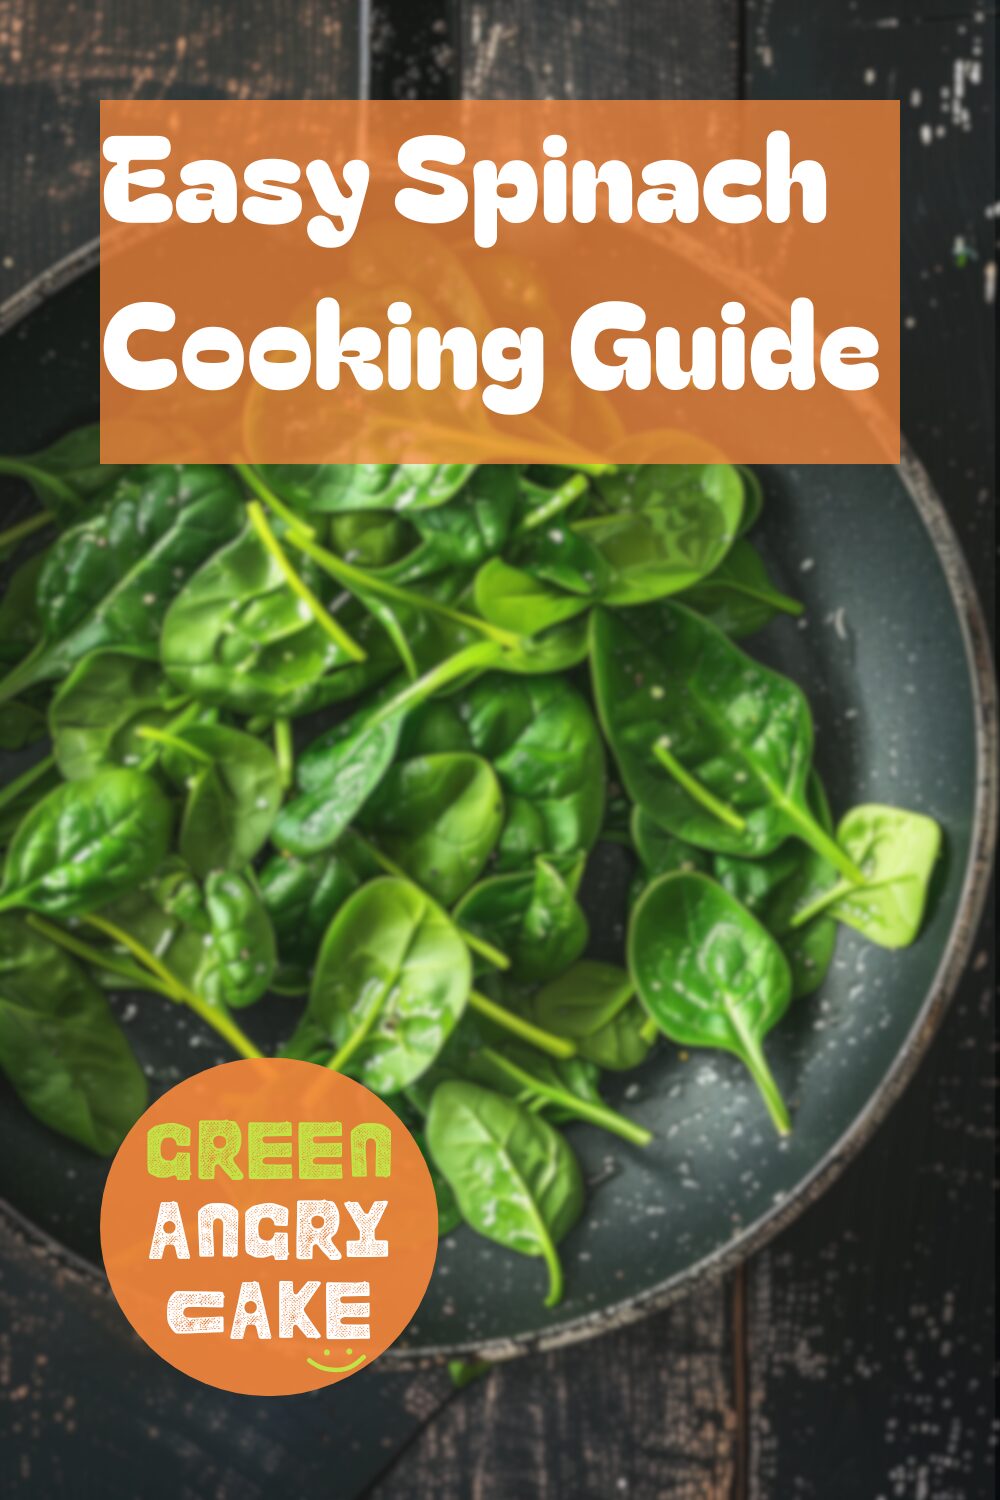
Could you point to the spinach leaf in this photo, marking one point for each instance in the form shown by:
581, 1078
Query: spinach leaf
660, 853
372, 538
346, 487
439, 817
543, 742
639, 487
592, 1003
340, 770
463, 533
86, 843
67, 472
60, 1046
516, 599
390, 984
95, 713
240, 638
515, 1178
239, 956
109, 580
896, 852
714, 746
302, 896
658, 551
776, 887
338, 773
20, 622
709, 974
738, 597
753, 498
532, 916
233, 798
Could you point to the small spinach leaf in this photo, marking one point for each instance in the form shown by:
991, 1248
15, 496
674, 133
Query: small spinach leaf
86, 843
390, 984
60, 1046
532, 916
515, 1178
439, 817
709, 974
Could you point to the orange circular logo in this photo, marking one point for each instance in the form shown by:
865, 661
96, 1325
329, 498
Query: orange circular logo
269, 1227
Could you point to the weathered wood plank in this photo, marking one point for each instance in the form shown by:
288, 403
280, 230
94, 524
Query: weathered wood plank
590, 49
870, 1320
57, 62
646, 1412
87, 1409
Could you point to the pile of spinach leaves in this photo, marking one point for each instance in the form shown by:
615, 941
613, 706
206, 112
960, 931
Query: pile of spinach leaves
483, 646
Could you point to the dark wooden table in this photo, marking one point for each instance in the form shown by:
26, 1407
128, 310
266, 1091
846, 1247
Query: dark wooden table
851, 1360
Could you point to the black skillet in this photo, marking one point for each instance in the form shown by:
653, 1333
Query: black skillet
893, 655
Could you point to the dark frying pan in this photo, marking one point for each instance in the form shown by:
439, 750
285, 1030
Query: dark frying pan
894, 657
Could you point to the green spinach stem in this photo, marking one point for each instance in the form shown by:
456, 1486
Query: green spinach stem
91, 955
15, 534
469, 659
215, 1017
751, 1054
360, 1034
27, 779
300, 588
173, 742
23, 675
18, 468
561, 499
361, 582
696, 789
270, 499
597, 1114
180, 721
284, 751
545, 1041
827, 847
476, 944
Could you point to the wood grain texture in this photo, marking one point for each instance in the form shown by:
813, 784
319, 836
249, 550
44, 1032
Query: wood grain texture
871, 1319
86, 1409
592, 49
644, 1413
58, 60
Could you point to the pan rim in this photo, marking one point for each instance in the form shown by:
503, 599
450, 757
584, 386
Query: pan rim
718, 1263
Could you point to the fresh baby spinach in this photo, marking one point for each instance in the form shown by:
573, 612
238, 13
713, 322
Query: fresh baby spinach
426, 621
86, 843
738, 597
438, 817
354, 487
67, 472
714, 746
896, 852
593, 1004
391, 981
514, 1177
234, 792
542, 740
110, 579
710, 975
96, 713
532, 916
240, 637
777, 886
60, 1046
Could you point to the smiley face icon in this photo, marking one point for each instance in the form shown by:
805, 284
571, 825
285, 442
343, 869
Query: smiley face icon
338, 1369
